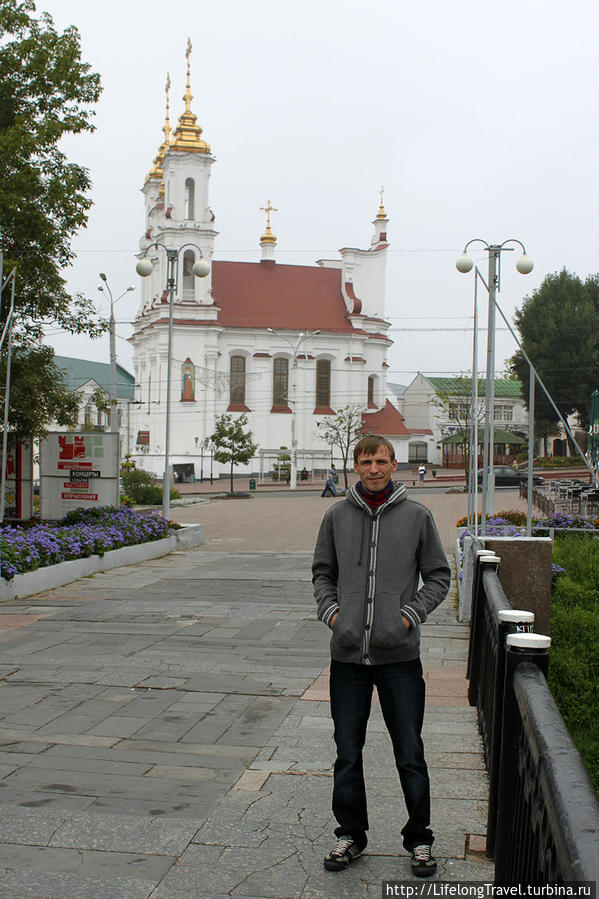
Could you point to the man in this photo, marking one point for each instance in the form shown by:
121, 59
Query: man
371, 550
329, 486
421, 473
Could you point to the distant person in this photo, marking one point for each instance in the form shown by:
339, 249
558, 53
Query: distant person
372, 550
329, 487
421, 473
304, 474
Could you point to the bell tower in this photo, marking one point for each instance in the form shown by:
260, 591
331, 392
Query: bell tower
177, 205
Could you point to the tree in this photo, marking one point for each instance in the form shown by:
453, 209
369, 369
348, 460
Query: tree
233, 444
457, 406
558, 330
38, 393
46, 92
343, 430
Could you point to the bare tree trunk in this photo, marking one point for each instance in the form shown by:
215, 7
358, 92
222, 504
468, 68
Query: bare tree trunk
231, 476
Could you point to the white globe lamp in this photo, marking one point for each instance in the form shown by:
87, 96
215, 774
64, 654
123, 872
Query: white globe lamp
201, 268
144, 268
464, 263
525, 264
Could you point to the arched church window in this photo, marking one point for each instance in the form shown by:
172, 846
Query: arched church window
87, 414
188, 381
280, 381
237, 380
189, 198
188, 275
371, 387
323, 383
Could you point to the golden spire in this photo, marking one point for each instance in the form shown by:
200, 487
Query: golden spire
381, 214
268, 236
156, 170
187, 133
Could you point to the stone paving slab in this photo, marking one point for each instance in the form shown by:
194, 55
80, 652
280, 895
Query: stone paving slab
158, 714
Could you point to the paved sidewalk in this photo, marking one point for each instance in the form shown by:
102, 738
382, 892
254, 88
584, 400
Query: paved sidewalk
164, 733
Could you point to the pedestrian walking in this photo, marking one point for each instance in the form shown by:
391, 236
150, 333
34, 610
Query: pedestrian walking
371, 551
421, 473
329, 486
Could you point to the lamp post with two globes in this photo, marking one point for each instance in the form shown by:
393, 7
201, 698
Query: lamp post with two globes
145, 267
464, 264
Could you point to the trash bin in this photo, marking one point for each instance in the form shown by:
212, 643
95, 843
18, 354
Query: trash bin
252, 484
336, 477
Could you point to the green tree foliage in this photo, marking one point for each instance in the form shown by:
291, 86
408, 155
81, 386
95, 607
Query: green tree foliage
46, 91
233, 444
38, 393
343, 430
558, 330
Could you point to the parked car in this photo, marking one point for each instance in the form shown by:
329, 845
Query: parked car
505, 476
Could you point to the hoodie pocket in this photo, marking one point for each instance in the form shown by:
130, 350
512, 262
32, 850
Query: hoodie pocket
347, 630
388, 629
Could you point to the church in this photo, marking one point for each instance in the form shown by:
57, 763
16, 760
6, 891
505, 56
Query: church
260, 338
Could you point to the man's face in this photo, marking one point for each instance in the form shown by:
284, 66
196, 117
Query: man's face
375, 471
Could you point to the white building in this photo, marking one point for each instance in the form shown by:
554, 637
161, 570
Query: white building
443, 405
224, 357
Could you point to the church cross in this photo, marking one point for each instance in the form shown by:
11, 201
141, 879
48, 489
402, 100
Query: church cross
268, 209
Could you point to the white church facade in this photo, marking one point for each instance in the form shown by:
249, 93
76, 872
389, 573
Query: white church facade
259, 338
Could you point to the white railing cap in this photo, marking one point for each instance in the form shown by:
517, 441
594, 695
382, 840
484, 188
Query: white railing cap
517, 616
528, 641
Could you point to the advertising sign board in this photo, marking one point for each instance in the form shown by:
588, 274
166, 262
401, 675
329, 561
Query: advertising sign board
78, 470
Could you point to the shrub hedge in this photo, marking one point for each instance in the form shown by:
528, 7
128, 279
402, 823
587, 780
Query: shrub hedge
574, 655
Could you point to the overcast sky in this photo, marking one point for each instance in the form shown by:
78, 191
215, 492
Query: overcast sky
479, 119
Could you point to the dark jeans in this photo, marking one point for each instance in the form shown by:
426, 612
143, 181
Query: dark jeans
400, 687
329, 487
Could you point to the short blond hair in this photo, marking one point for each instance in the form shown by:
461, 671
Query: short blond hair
369, 445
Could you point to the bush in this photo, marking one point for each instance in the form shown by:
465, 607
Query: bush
143, 489
559, 462
513, 516
574, 655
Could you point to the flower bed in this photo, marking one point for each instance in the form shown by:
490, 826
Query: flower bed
81, 533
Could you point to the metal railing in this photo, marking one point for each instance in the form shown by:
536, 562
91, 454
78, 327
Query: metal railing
548, 812
533, 826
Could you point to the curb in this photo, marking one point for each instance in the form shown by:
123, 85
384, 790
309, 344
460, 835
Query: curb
50, 576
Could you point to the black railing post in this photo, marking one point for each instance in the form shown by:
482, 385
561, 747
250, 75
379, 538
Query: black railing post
510, 621
529, 649
485, 559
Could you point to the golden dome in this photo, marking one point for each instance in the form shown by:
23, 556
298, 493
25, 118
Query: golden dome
187, 134
268, 236
381, 214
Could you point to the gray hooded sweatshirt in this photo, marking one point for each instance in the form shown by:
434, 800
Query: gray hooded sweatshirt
367, 564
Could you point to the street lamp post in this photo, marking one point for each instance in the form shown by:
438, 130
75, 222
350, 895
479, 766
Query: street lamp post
464, 264
294, 350
114, 417
7, 330
144, 268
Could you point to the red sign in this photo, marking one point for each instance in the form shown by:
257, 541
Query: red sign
75, 466
79, 496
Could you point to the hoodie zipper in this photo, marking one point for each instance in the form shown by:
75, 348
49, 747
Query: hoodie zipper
371, 585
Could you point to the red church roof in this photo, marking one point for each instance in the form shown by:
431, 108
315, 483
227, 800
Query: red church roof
295, 297
388, 421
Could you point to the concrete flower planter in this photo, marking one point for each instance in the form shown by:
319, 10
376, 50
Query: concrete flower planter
64, 572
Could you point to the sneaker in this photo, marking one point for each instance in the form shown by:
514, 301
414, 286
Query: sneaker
424, 863
344, 852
